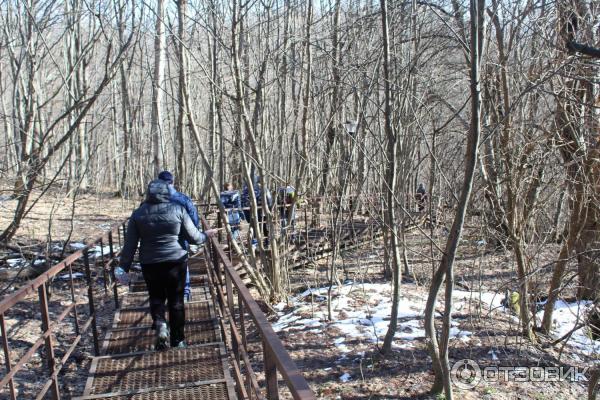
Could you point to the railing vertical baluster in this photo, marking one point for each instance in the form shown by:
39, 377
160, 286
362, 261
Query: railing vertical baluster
6, 348
88, 273
105, 276
74, 300
244, 342
219, 225
270, 374
234, 343
43, 295
112, 270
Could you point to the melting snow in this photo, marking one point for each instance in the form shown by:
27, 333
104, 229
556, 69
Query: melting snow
345, 378
362, 311
76, 246
65, 277
568, 315
16, 262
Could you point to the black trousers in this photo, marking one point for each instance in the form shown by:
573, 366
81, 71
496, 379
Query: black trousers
166, 282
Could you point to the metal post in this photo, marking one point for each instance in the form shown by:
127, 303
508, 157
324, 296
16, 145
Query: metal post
43, 295
88, 273
219, 225
119, 236
112, 270
270, 374
234, 343
244, 343
74, 300
6, 348
105, 275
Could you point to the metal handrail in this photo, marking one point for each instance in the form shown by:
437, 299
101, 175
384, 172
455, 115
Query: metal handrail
40, 284
276, 357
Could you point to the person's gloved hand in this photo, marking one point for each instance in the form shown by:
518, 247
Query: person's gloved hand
122, 276
211, 232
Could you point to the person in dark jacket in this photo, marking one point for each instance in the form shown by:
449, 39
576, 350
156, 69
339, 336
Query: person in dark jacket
258, 194
232, 203
421, 197
158, 224
286, 200
188, 204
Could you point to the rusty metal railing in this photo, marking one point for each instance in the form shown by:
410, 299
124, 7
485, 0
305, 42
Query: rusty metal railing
234, 304
96, 280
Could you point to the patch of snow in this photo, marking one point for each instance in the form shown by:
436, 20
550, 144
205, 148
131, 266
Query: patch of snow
346, 377
568, 315
491, 299
362, 311
66, 277
16, 262
76, 246
98, 251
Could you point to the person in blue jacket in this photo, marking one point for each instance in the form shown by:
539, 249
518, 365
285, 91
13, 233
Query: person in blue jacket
158, 226
188, 205
232, 203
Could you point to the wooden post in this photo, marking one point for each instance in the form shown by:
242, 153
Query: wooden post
43, 295
88, 274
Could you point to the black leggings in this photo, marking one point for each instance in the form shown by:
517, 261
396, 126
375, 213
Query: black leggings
166, 281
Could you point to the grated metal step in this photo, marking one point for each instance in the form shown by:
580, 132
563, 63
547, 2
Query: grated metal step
151, 372
140, 299
143, 339
134, 317
207, 391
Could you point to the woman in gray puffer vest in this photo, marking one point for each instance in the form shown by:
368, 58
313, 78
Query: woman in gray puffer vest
159, 225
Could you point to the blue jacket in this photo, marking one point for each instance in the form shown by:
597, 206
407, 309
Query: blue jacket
187, 203
257, 195
232, 202
158, 224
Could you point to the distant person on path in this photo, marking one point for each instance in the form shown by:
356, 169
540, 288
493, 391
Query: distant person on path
286, 199
186, 202
232, 203
421, 197
260, 215
158, 225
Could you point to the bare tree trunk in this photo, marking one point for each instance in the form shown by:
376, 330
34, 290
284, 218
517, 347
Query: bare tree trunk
439, 350
157, 90
180, 155
390, 225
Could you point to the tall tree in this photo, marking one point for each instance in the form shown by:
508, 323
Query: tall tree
157, 89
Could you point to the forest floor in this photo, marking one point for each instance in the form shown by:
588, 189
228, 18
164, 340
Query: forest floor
340, 357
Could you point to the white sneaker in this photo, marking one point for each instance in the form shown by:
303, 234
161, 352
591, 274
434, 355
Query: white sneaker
162, 337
